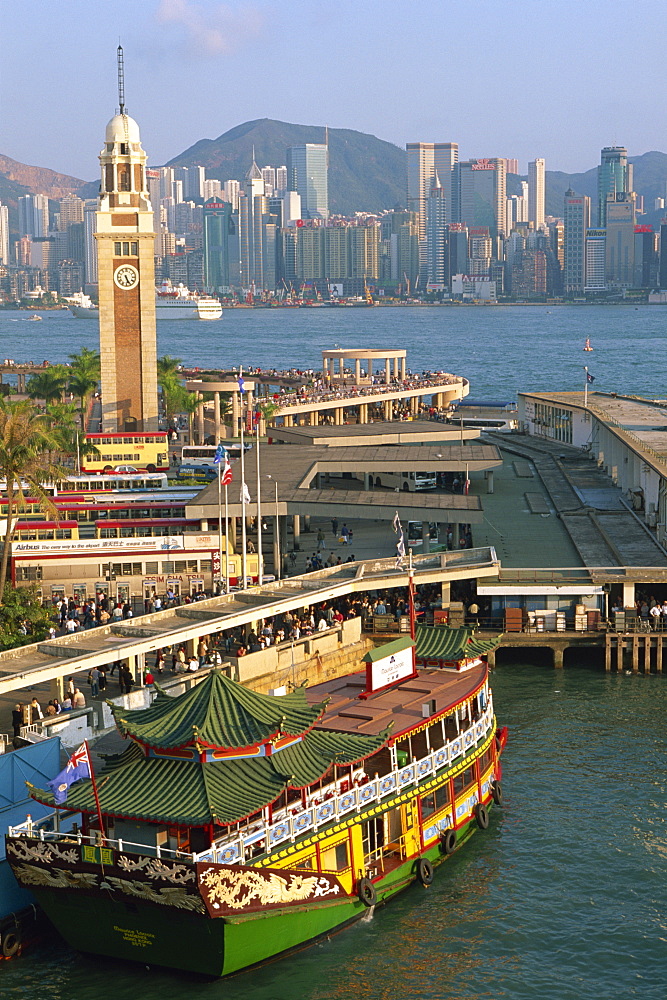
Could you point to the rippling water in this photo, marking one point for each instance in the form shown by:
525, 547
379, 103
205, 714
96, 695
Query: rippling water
563, 898
499, 349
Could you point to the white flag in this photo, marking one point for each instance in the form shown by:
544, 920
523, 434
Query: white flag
400, 551
245, 494
397, 523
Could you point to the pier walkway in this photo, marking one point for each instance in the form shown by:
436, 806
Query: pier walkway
53, 660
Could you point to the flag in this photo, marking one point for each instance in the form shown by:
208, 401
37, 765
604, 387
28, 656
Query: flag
396, 523
241, 383
226, 473
590, 378
78, 767
245, 494
400, 551
220, 454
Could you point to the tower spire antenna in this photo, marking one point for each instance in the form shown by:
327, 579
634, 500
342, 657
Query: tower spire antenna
121, 80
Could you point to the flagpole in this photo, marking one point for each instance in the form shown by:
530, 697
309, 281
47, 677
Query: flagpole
220, 521
243, 487
585, 387
97, 798
226, 542
259, 513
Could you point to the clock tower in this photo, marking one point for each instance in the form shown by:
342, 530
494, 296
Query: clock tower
126, 275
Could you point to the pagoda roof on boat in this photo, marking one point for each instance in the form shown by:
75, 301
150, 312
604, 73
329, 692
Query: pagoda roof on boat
190, 793
218, 713
440, 642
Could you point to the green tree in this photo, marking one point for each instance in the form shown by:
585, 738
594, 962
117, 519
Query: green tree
48, 385
62, 420
22, 617
83, 379
26, 444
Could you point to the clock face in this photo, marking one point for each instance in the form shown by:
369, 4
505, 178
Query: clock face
126, 276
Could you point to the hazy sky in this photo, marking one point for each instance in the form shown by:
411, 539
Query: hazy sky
519, 78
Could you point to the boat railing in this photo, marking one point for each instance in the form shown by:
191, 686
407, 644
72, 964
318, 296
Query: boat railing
42, 829
325, 806
262, 838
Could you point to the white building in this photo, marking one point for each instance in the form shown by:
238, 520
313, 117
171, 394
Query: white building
4, 234
537, 192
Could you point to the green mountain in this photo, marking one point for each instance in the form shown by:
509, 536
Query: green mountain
366, 174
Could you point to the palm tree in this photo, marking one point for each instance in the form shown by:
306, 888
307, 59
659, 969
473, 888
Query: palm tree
168, 367
62, 420
84, 377
26, 440
48, 385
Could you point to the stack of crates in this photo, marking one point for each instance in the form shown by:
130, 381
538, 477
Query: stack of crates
580, 619
514, 619
457, 617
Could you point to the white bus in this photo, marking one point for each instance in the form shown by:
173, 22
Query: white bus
406, 482
204, 454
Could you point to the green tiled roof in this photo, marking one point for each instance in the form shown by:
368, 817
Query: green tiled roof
192, 794
219, 712
440, 642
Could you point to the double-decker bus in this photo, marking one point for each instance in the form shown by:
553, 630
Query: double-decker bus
144, 451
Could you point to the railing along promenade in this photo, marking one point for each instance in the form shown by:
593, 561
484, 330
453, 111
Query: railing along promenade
324, 806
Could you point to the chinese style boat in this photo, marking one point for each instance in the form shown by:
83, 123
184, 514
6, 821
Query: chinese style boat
237, 826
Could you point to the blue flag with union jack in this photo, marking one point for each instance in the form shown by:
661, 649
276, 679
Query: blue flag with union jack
78, 767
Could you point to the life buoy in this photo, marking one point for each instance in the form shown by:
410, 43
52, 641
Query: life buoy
11, 943
448, 842
497, 793
424, 870
482, 816
366, 892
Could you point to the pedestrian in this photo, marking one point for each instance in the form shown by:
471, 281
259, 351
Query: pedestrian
656, 615
70, 688
94, 680
79, 699
159, 661
102, 678
17, 718
345, 534
149, 680
320, 539
334, 526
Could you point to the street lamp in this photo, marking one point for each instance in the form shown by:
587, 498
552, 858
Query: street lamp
276, 529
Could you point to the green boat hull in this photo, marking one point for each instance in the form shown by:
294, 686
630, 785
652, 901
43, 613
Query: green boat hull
213, 947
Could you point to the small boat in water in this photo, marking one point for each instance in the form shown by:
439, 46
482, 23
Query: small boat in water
587, 345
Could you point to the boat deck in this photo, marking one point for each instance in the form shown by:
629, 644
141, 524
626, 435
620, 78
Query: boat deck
402, 703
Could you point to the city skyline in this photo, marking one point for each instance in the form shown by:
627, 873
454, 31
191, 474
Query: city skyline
288, 62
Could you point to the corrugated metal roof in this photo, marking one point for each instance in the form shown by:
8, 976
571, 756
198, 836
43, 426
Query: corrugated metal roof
219, 712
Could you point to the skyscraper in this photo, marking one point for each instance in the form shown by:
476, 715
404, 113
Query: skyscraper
425, 160
221, 246
536, 192
436, 236
620, 249
576, 219
4, 234
478, 195
33, 215
614, 177
307, 174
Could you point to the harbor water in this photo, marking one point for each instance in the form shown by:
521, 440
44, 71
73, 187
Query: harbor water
565, 896
562, 898
501, 350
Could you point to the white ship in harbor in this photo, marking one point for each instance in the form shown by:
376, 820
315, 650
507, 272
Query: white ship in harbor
171, 302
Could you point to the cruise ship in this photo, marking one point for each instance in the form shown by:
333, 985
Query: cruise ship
171, 302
